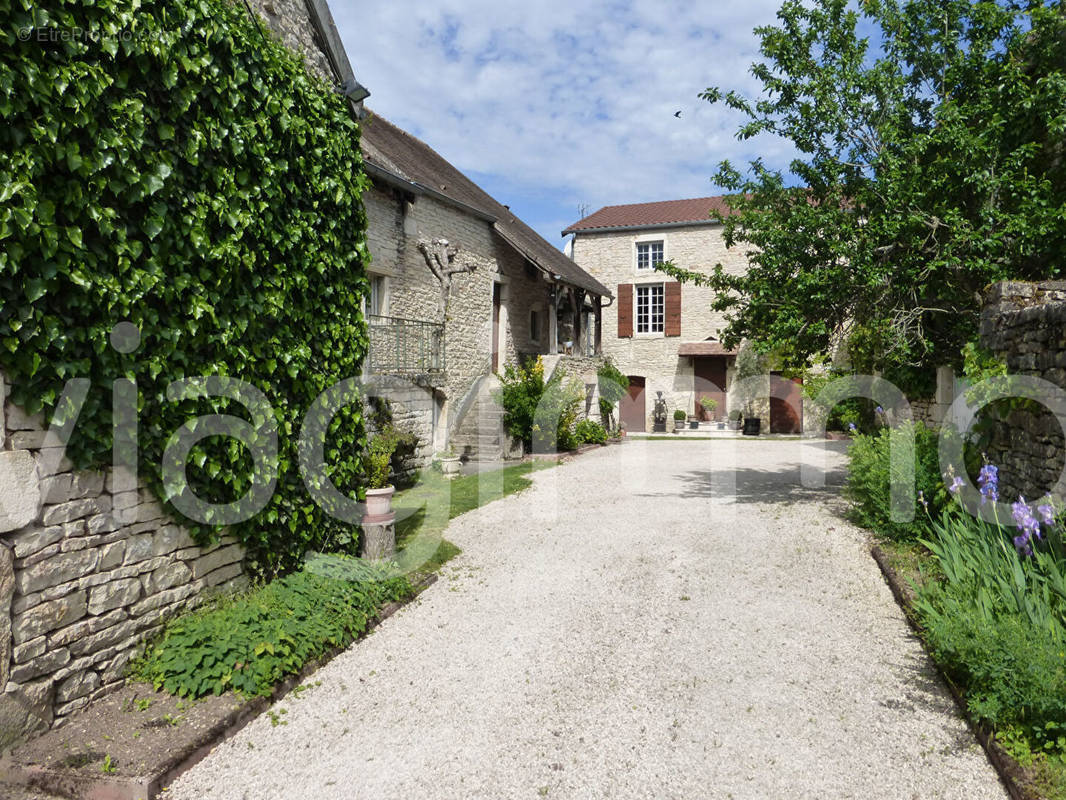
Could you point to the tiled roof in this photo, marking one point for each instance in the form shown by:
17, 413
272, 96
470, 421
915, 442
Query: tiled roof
392, 149
650, 215
704, 349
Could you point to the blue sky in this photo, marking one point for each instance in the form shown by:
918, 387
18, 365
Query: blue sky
559, 104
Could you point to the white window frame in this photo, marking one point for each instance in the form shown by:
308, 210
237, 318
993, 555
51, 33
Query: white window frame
648, 243
654, 315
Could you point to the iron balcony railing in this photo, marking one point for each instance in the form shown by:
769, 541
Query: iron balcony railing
405, 346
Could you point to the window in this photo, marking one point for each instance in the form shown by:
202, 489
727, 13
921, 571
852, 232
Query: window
534, 325
376, 307
650, 308
649, 254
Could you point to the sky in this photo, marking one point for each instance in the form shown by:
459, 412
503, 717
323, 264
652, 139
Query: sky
552, 106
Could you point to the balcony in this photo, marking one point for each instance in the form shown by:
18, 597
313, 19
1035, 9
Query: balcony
401, 346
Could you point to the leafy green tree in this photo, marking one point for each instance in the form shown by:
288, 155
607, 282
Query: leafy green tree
929, 141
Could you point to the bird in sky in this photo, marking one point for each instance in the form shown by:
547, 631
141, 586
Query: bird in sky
677, 114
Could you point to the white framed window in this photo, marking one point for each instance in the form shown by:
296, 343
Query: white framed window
535, 325
651, 308
649, 254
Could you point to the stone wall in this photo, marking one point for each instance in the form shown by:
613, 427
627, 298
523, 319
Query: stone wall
395, 226
610, 257
1025, 324
86, 575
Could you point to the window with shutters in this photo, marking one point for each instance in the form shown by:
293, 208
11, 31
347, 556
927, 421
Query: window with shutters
649, 254
651, 310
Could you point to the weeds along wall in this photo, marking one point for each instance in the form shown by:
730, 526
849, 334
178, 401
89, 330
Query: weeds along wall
172, 165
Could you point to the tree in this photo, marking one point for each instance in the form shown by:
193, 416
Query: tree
930, 163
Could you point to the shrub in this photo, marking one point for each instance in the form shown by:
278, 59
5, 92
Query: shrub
997, 622
868, 482
250, 642
556, 414
522, 387
679, 415
613, 386
379, 460
539, 411
195, 180
590, 431
709, 404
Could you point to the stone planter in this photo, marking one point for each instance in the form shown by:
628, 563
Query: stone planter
379, 502
734, 424
449, 466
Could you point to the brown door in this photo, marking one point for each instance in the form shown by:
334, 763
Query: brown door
710, 382
631, 407
786, 404
495, 327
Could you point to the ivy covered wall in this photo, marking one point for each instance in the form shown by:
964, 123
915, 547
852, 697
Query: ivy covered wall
168, 163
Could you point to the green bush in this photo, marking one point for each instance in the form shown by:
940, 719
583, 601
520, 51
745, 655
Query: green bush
522, 387
612, 385
589, 431
537, 411
250, 642
679, 415
997, 622
868, 481
195, 179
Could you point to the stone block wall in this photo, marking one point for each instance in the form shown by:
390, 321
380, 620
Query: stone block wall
1025, 324
610, 257
86, 575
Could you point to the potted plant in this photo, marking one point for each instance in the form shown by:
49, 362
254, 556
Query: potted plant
449, 464
679, 420
379, 464
710, 407
747, 369
734, 419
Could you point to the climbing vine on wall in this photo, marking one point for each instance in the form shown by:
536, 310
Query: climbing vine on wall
167, 163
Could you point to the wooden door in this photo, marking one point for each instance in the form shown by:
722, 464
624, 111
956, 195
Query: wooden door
709, 373
495, 327
631, 411
786, 404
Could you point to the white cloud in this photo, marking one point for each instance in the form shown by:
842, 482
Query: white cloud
558, 103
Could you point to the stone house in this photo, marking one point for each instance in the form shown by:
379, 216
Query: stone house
460, 287
663, 335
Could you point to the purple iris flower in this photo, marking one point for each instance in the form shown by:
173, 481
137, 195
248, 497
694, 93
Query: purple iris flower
988, 483
1047, 513
956, 485
851, 426
1027, 524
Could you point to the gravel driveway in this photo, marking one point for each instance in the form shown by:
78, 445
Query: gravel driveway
627, 629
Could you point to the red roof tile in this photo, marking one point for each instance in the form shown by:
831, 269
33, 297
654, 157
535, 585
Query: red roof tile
704, 349
649, 215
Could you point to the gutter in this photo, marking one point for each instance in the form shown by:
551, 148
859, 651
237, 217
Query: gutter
659, 226
333, 47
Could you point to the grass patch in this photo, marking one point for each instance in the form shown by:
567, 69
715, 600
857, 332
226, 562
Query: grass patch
424, 511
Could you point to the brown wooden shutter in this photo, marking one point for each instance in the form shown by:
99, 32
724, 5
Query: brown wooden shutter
625, 310
672, 301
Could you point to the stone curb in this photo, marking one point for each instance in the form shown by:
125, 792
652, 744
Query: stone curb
147, 787
1011, 774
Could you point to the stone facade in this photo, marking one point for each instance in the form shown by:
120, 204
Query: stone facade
86, 575
395, 226
1025, 324
610, 257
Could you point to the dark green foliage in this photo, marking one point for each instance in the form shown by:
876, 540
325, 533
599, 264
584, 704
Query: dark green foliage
588, 431
540, 413
250, 642
612, 385
192, 178
997, 622
868, 480
929, 163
